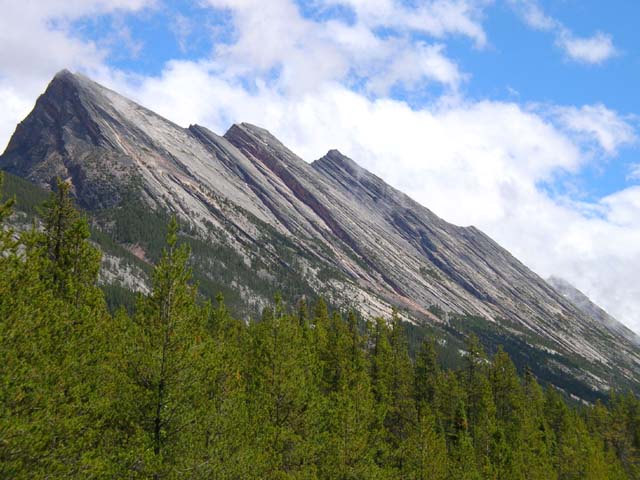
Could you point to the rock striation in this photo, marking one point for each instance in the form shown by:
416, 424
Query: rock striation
246, 188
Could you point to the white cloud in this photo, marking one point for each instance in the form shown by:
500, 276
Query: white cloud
593, 50
307, 53
603, 125
634, 172
410, 67
438, 18
534, 16
182, 27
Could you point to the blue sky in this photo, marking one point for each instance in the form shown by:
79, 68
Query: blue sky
517, 116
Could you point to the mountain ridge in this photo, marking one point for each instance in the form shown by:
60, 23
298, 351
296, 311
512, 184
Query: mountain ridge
339, 227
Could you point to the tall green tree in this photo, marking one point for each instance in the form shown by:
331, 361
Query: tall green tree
345, 441
164, 355
536, 436
481, 410
73, 262
425, 450
462, 463
427, 372
283, 394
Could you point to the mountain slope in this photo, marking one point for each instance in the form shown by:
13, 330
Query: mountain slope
586, 306
260, 219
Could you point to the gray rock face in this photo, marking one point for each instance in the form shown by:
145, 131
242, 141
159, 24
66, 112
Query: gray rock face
388, 249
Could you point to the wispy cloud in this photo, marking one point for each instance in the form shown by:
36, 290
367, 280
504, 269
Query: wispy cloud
597, 123
437, 18
182, 28
594, 49
634, 172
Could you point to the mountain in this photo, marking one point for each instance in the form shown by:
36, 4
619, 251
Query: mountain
261, 220
587, 306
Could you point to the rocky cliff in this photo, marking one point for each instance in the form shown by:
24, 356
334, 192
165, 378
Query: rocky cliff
329, 227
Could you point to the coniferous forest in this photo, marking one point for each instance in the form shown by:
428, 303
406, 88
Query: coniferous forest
179, 388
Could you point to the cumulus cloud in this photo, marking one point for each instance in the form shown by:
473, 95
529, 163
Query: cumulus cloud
307, 52
594, 50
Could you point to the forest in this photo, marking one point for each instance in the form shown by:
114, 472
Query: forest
178, 388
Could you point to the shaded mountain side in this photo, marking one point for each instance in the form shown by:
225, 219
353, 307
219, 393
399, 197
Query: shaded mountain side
260, 219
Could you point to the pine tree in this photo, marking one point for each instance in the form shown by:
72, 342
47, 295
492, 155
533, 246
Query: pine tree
507, 451
401, 418
344, 445
481, 409
73, 262
427, 372
462, 464
536, 436
226, 434
165, 355
283, 394
425, 450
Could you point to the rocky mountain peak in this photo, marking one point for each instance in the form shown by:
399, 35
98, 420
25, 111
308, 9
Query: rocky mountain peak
339, 228
356, 180
337, 163
64, 75
249, 133
60, 113
259, 145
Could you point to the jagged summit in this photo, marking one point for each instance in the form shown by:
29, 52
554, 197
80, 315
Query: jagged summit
65, 75
340, 164
251, 129
336, 228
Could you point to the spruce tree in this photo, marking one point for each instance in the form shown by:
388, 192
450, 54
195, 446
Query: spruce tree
283, 394
536, 436
164, 356
481, 409
425, 450
73, 262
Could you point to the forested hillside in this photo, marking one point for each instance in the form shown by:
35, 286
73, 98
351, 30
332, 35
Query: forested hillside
179, 388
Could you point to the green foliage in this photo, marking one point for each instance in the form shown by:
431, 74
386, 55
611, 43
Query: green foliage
27, 196
175, 387
72, 263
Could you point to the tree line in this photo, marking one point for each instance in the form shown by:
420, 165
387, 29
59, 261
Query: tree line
179, 388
